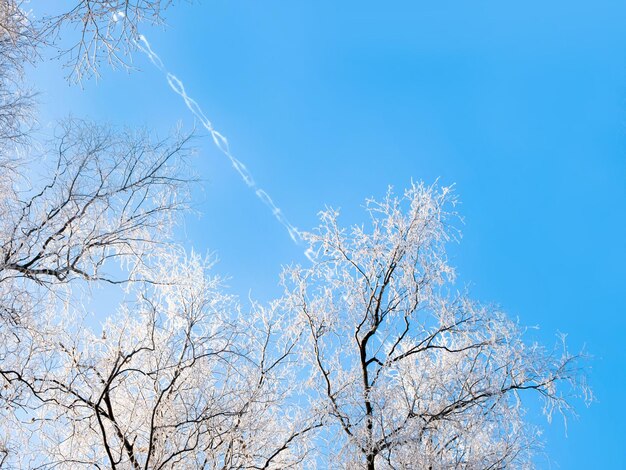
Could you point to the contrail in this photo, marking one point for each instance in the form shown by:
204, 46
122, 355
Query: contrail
218, 139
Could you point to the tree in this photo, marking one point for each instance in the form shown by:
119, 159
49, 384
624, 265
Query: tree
409, 374
110, 193
110, 196
94, 32
177, 378
108, 203
16, 47
105, 31
178, 374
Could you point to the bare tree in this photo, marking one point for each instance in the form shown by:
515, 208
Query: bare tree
404, 372
410, 375
178, 378
109, 195
110, 199
367, 361
104, 31
178, 375
17, 40
94, 31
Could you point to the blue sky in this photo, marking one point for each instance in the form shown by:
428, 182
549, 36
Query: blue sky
521, 105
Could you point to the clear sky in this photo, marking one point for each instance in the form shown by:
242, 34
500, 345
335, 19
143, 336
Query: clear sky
521, 104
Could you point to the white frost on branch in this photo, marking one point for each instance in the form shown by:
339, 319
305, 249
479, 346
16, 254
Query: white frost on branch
410, 374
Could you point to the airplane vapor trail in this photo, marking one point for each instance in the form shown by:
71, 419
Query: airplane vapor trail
219, 140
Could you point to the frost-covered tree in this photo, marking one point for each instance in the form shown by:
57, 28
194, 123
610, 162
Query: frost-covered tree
174, 376
16, 48
177, 374
86, 33
411, 374
369, 360
105, 202
177, 378
108, 195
